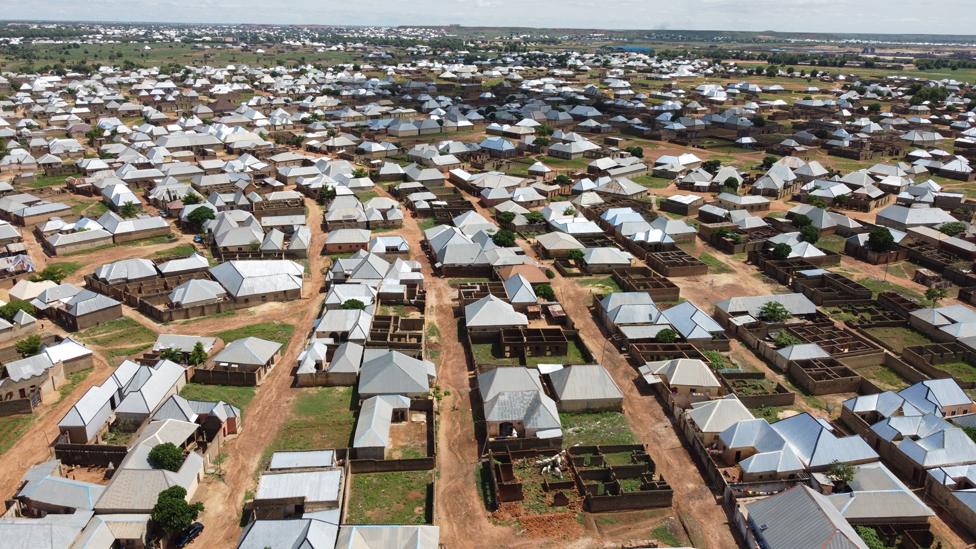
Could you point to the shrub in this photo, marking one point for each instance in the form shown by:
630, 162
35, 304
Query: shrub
54, 273
545, 291
784, 339
666, 335
774, 311
952, 228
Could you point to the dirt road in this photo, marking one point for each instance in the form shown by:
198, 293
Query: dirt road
264, 416
694, 503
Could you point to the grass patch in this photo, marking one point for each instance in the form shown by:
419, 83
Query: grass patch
897, 338
574, 355
125, 352
12, 428
962, 371
831, 243
153, 241
601, 285
67, 267
389, 498
43, 181
272, 331
884, 377
877, 286
322, 417
651, 182
73, 379
664, 534
426, 223
182, 250
235, 396
121, 331
715, 265
488, 353
88, 251
588, 428
769, 413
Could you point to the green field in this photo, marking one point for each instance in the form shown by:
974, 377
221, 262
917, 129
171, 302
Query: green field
389, 498
322, 417
898, 338
12, 428
235, 396
272, 331
590, 428
118, 332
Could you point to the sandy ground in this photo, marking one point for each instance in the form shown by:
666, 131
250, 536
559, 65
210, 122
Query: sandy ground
266, 414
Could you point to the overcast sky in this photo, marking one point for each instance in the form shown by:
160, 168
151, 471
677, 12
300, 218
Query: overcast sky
877, 16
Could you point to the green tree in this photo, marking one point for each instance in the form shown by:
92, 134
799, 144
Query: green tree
563, 179
569, 211
198, 217
535, 217
731, 183
971, 432
171, 354
809, 234
192, 198
870, 537
54, 273
800, 221
636, 151
817, 202
880, 240
768, 161
840, 472
359, 173
575, 255
935, 295
782, 251
666, 335
129, 209
773, 311
166, 456
353, 305
198, 355
953, 228
8, 311
172, 513
326, 194
545, 291
711, 166
504, 238
506, 217
29, 346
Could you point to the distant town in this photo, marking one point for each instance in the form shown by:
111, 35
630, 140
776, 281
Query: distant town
343, 287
